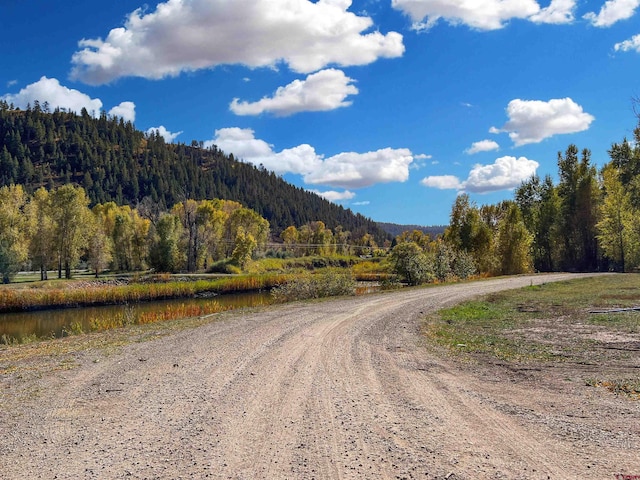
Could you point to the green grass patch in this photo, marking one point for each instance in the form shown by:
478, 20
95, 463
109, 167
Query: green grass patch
478, 327
537, 322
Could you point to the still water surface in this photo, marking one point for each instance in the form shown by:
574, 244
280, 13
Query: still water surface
54, 323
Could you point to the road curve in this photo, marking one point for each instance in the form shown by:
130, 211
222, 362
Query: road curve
336, 389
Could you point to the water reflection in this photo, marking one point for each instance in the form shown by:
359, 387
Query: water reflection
53, 323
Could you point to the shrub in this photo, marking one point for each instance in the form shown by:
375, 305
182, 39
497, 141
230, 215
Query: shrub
327, 284
410, 262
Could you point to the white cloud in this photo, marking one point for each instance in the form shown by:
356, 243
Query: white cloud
365, 202
321, 91
164, 133
11, 83
188, 35
482, 146
442, 182
558, 12
345, 170
243, 144
49, 90
632, 44
483, 14
126, 110
504, 174
531, 121
613, 11
357, 170
334, 196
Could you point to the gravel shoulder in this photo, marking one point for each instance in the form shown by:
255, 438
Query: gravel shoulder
337, 389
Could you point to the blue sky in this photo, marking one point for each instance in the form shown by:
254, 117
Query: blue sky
388, 107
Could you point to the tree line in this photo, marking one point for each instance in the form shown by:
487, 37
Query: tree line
57, 230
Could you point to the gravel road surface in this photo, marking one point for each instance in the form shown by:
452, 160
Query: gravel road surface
338, 389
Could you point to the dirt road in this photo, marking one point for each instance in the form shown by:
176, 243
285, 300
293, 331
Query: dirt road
338, 389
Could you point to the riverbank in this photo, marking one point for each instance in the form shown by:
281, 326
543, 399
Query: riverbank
87, 293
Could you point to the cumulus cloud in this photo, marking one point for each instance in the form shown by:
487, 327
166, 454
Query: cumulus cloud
188, 35
482, 146
164, 133
531, 121
442, 182
504, 174
345, 170
632, 44
484, 14
49, 90
334, 196
613, 11
243, 144
321, 91
126, 110
356, 170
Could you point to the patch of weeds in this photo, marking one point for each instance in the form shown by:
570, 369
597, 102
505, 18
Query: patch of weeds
9, 340
479, 327
627, 387
628, 322
500, 324
486, 326
391, 282
75, 328
476, 312
12, 341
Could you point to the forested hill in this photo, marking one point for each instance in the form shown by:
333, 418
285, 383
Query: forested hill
113, 161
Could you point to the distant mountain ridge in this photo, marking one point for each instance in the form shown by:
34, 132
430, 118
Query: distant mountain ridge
113, 161
394, 229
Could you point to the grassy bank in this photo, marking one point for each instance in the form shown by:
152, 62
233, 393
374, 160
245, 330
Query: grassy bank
85, 294
549, 322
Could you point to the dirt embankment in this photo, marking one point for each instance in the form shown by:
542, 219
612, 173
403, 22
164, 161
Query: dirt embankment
336, 389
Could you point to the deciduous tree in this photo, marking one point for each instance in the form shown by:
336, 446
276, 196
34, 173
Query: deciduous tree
71, 215
13, 239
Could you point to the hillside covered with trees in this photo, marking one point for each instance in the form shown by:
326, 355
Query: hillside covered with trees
113, 161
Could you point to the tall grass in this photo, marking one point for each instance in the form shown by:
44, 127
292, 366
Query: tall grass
130, 317
14, 300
